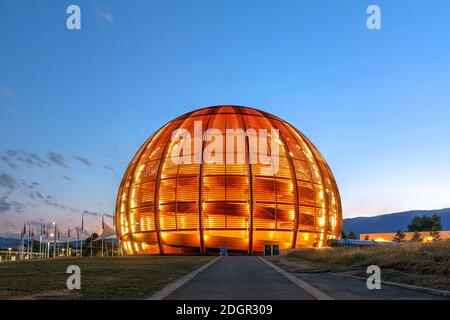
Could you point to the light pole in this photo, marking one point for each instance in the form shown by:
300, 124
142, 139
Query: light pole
68, 241
54, 241
40, 245
51, 236
9, 254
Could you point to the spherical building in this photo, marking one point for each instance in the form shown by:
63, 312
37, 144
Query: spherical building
226, 176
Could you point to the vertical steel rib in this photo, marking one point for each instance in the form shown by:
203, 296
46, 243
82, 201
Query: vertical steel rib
250, 181
200, 190
295, 185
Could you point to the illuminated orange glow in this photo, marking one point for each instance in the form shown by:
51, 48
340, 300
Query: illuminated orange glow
409, 236
176, 207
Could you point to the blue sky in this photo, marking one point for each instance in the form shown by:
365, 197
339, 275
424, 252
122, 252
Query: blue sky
375, 102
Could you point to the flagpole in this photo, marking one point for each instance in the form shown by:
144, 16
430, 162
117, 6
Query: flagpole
28, 240
82, 229
78, 242
68, 240
103, 230
32, 241
114, 224
22, 233
40, 243
54, 241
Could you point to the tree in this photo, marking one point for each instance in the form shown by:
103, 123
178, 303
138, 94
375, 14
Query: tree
436, 235
399, 237
367, 237
91, 238
343, 235
425, 223
416, 237
352, 235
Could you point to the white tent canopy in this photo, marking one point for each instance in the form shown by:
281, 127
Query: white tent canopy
107, 233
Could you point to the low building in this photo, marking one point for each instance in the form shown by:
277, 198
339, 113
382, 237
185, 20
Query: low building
425, 236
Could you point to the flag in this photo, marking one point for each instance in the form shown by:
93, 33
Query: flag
68, 232
24, 232
59, 233
82, 222
103, 222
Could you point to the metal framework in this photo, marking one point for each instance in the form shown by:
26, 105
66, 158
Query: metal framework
168, 208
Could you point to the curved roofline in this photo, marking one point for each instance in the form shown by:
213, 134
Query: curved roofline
265, 113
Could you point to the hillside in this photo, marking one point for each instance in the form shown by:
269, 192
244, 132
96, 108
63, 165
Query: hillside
6, 243
393, 221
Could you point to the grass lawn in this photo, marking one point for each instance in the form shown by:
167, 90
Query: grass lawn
101, 278
420, 264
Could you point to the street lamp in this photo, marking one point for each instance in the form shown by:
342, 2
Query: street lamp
9, 253
54, 239
41, 247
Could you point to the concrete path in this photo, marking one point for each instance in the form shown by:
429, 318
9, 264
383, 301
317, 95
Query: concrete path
239, 278
346, 288
251, 278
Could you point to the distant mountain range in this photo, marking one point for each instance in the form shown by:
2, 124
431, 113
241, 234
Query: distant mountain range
15, 243
6, 243
383, 223
393, 221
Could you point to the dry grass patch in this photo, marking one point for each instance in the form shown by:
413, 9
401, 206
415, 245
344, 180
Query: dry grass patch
425, 264
101, 278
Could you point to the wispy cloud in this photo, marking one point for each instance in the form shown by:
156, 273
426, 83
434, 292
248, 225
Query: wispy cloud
8, 223
96, 214
84, 161
53, 204
104, 13
40, 195
5, 206
7, 159
12, 157
31, 185
8, 206
7, 181
37, 160
11, 153
68, 178
57, 159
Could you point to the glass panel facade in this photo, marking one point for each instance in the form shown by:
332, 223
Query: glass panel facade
227, 176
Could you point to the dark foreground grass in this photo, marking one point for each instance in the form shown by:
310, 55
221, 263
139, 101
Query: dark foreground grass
421, 264
101, 278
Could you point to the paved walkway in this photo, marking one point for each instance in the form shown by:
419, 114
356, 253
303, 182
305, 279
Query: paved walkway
239, 278
250, 278
345, 288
